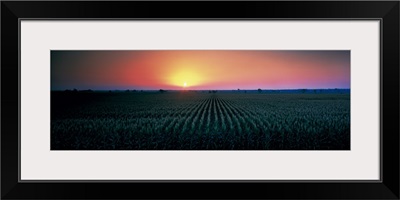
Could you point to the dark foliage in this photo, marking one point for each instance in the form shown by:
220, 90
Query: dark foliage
199, 121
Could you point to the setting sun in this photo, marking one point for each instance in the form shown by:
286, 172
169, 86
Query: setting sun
185, 78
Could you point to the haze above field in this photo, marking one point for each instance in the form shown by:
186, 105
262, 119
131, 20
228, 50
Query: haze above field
199, 70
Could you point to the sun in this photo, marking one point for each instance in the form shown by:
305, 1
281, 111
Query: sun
184, 84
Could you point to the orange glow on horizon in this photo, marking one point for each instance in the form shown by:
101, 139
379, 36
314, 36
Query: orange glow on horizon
200, 69
184, 70
187, 77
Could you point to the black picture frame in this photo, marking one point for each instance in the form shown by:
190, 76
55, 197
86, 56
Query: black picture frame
386, 11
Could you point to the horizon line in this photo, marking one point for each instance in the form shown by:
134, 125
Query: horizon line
199, 89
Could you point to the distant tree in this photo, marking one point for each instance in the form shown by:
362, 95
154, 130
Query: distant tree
214, 91
85, 91
259, 90
109, 91
245, 91
209, 91
127, 90
315, 91
303, 91
75, 90
162, 91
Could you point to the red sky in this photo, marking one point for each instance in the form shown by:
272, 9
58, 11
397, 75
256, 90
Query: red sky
199, 69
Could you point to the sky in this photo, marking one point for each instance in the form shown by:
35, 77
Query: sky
199, 69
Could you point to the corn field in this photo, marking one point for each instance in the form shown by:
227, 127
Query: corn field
199, 121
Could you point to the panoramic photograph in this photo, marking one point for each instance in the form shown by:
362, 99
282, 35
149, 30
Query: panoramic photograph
200, 100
